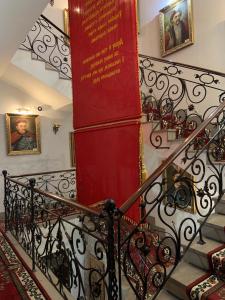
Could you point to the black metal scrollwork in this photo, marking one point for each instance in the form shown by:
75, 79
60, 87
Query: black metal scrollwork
50, 44
76, 254
176, 96
61, 183
101, 250
149, 256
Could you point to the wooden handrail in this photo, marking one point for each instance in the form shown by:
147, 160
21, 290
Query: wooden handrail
132, 199
42, 173
182, 65
60, 30
58, 198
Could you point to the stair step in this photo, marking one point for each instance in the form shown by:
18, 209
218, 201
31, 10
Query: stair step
183, 276
164, 295
127, 291
62, 76
220, 208
50, 67
34, 56
197, 254
214, 227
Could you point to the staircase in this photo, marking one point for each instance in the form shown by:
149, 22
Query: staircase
196, 263
44, 55
179, 114
15, 26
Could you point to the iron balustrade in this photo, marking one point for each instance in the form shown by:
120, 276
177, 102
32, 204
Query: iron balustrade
66, 236
127, 253
50, 44
177, 96
61, 183
199, 182
71, 244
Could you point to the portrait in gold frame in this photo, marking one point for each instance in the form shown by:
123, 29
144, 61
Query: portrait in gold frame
176, 189
66, 21
23, 134
176, 26
72, 149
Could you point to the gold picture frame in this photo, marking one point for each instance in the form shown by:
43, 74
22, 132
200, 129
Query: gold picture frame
72, 150
99, 266
138, 20
66, 24
23, 134
176, 26
176, 192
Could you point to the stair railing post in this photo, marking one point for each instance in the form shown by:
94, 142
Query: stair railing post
200, 241
4, 172
119, 256
32, 182
110, 209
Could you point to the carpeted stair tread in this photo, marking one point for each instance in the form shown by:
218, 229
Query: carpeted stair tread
17, 281
220, 208
183, 275
216, 220
211, 285
164, 295
197, 254
214, 227
206, 248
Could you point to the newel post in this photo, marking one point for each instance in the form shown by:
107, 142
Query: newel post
32, 182
110, 209
4, 172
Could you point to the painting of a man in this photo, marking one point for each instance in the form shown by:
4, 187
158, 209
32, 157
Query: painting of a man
23, 134
180, 192
179, 188
22, 139
176, 26
177, 30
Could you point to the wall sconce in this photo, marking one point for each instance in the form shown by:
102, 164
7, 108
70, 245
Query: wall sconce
56, 127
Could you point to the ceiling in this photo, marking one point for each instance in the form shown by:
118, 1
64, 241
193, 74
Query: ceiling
15, 21
13, 30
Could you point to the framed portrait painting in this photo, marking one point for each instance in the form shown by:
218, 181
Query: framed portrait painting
176, 26
66, 25
179, 188
23, 134
66, 21
72, 149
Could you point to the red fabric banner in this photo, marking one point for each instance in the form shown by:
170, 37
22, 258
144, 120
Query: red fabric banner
105, 90
107, 165
104, 61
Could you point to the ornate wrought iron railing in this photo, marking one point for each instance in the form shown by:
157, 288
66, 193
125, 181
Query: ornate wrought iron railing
71, 244
61, 183
99, 248
176, 96
180, 193
50, 44
101, 251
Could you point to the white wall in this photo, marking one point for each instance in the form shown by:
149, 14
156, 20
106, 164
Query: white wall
207, 52
16, 19
55, 13
209, 27
55, 148
153, 159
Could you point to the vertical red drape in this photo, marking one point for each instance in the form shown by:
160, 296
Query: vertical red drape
106, 99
